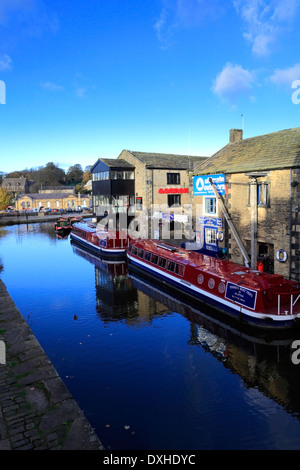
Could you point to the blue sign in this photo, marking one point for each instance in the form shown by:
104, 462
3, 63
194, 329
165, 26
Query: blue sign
211, 221
241, 295
202, 186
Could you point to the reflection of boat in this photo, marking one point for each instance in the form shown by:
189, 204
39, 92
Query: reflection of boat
115, 296
112, 243
256, 298
63, 225
262, 359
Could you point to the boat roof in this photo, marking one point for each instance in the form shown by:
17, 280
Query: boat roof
224, 269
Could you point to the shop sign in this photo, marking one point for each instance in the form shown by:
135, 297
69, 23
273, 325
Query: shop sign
211, 221
202, 186
173, 190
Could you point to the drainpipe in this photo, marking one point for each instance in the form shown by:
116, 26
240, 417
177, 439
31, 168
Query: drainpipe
253, 203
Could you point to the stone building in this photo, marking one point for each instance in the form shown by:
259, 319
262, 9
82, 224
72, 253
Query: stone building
16, 185
260, 190
52, 200
155, 183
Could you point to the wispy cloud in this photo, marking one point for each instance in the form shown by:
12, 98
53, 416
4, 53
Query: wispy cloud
49, 86
285, 77
265, 21
30, 16
82, 85
232, 82
176, 14
5, 62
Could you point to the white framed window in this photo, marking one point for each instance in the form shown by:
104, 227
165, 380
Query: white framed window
211, 236
210, 205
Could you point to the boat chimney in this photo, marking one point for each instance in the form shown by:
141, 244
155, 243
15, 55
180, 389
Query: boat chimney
236, 135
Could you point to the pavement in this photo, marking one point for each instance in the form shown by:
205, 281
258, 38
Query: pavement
37, 412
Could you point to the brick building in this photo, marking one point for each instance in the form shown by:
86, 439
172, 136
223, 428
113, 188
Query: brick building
261, 192
52, 200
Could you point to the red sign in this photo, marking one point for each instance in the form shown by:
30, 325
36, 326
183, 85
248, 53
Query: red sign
173, 190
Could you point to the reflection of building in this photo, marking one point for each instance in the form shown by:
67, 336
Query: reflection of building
261, 192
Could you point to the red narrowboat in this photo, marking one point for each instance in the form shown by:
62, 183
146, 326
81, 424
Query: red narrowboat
253, 297
98, 240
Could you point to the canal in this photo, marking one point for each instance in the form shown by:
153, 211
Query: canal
150, 371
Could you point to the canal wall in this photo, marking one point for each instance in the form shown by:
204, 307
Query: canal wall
37, 412
30, 219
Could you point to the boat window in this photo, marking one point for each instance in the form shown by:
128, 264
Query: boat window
129, 247
179, 269
147, 255
134, 250
141, 253
154, 259
162, 262
171, 266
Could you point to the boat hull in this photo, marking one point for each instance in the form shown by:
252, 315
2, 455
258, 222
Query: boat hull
98, 250
238, 312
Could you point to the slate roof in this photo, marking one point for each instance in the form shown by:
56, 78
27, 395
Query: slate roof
51, 195
167, 161
277, 150
113, 163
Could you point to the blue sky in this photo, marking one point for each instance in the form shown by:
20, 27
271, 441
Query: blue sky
88, 79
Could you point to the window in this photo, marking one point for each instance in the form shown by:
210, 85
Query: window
140, 253
179, 269
171, 266
210, 205
154, 259
173, 178
211, 236
174, 200
263, 190
162, 262
147, 255
139, 203
262, 194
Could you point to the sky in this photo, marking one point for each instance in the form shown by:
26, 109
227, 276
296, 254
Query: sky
82, 80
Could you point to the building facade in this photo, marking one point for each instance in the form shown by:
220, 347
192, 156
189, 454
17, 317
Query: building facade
16, 185
152, 185
260, 190
52, 200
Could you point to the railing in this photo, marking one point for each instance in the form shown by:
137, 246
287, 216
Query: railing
292, 303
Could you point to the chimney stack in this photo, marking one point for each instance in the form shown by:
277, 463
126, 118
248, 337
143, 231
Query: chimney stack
236, 135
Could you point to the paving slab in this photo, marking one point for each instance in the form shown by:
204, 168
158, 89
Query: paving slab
37, 411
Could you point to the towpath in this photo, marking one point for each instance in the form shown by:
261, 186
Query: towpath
37, 412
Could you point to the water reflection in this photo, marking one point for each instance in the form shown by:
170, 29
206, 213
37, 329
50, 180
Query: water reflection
117, 298
138, 355
262, 360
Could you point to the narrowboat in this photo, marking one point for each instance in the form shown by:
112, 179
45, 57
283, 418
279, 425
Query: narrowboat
64, 224
99, 241
252, 297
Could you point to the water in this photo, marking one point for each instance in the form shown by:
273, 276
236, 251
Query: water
149, 372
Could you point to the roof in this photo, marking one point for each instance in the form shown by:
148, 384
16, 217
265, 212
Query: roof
20, 180
113, 163
277, 150
167, 161
53, 196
